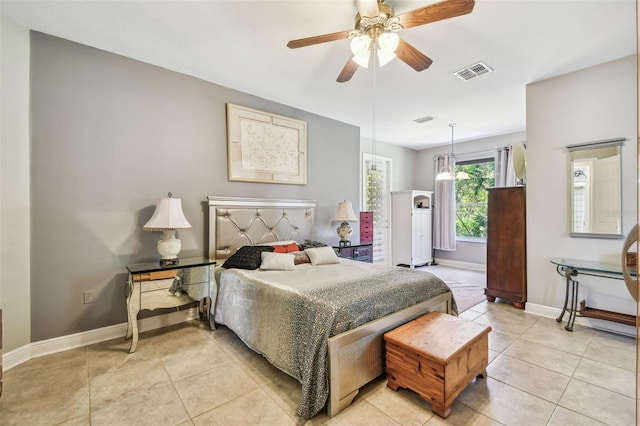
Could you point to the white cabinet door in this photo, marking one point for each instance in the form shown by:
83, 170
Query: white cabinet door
421, 224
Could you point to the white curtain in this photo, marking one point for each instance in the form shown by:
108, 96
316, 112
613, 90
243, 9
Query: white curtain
444, 218
504, 173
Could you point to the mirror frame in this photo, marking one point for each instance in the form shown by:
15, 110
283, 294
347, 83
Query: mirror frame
582, 147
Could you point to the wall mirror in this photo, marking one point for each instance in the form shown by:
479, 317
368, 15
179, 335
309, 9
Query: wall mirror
596, 189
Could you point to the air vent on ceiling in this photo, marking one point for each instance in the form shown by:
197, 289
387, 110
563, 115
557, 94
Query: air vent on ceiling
424, 119
473, 71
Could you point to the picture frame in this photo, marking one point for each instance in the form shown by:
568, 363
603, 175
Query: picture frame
264, 147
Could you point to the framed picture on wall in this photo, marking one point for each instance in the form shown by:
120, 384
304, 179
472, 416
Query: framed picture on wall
264, 147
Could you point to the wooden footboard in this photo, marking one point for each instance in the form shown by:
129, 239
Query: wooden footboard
357, 356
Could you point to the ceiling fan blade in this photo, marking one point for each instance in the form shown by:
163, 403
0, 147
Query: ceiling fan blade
347, 72
308, 41
412, 56
368, 8
435, 12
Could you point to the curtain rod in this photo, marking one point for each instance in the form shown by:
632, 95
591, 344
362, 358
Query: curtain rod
480, 154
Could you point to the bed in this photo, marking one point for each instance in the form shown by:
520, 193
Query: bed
339, 347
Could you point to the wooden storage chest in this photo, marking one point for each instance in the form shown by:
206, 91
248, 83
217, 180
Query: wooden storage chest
436, 356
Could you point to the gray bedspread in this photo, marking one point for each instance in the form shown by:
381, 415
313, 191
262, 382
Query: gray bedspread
288, 316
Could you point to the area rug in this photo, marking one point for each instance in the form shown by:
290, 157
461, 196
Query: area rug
467, 285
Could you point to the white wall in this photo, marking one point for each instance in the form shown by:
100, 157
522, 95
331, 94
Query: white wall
15, 267
592, 104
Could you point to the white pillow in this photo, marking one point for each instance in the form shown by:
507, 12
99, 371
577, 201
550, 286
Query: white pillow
277, 261
322, 255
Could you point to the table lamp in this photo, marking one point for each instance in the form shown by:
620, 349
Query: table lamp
167, 218
345, 215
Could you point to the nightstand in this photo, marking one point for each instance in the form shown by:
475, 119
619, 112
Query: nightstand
360, 252
152, 286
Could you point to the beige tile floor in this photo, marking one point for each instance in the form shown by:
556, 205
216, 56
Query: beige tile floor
539, 374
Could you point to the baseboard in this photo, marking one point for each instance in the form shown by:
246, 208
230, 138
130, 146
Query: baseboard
64, 343
612, 327
464, 265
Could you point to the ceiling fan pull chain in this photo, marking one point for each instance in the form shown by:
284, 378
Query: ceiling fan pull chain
373, 112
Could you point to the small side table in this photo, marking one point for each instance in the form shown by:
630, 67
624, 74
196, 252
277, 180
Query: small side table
360, 252
151, 286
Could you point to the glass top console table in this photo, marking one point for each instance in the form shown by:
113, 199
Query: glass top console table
570, 269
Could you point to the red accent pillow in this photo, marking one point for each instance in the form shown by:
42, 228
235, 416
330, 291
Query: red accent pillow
288, 248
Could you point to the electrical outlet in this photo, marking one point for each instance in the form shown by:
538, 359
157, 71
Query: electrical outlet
88, 296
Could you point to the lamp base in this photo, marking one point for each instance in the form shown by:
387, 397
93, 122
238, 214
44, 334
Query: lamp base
169, 247
169, 262
344, 243
344, 232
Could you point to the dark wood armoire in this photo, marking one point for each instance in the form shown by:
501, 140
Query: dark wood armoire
507, 245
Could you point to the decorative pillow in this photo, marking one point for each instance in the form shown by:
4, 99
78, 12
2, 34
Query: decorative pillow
301, 258
322, 255
286, 248
311, 244
277, 261
247, 257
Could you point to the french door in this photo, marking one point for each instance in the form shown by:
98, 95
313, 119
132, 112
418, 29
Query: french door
376, 193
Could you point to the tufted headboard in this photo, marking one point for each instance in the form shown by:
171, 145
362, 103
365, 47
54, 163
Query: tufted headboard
236, 222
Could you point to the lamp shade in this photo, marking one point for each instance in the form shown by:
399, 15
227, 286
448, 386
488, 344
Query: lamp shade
360, 48
384, 58
388, 42
360, 45
345, 213
168, 215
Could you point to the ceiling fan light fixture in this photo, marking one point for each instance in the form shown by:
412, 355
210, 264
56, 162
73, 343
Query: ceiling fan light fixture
384, 58
362, 60
388, 42
360, 45
378, 22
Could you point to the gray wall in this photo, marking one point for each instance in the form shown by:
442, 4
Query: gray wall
403, 162
110, 135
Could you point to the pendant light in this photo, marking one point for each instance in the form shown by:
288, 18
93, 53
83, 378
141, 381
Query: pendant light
448, 172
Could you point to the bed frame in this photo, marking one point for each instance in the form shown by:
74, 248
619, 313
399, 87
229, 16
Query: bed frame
355, 357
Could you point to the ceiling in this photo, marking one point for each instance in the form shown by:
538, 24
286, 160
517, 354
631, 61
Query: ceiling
241, 44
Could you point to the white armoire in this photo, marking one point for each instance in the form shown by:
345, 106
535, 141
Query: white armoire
411, 228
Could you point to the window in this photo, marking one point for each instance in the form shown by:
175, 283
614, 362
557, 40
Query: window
471, 197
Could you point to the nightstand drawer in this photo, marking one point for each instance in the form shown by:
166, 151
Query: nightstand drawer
363, 253
360, 252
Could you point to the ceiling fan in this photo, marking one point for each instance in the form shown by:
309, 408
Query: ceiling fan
376, 28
